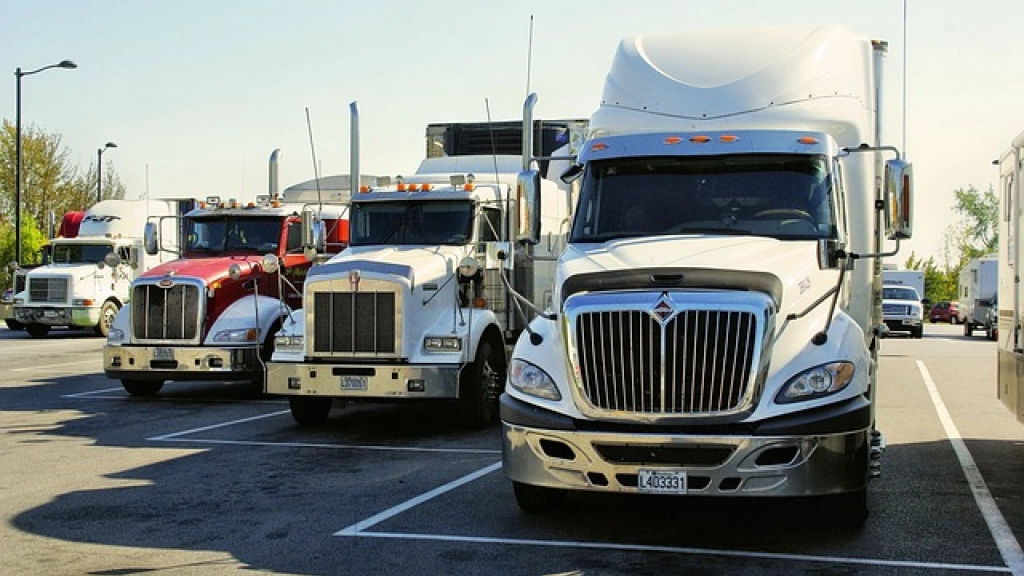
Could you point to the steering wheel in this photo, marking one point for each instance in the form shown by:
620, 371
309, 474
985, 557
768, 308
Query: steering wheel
784, 214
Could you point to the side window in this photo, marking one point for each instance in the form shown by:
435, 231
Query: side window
490, 225
294, 237
125, 253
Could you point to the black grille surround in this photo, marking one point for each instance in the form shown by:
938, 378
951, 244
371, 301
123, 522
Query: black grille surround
354, 320
668, 355
166, 312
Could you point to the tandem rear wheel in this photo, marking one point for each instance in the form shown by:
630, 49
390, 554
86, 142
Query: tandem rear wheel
142, 387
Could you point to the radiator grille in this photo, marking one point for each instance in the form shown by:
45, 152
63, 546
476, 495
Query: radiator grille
354, 322
697, 362
48, 290
166, 313
895, 309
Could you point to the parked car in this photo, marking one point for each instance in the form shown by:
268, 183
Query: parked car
945, 312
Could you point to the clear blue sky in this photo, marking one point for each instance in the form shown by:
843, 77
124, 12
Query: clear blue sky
197, 93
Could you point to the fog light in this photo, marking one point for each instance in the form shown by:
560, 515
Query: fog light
416, 385
216, 363
115, 362
294, 383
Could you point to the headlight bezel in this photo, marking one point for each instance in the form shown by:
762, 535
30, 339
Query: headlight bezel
817, 382
532, 380
238, 336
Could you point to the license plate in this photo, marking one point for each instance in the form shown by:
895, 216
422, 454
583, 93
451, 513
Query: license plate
49, 313
163, 353
661, 481
354, 383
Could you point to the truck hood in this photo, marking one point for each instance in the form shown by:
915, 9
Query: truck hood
420, 264
208, 270
787, 270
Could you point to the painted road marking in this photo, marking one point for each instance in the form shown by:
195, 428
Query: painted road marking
1009, 548
359, 529
49, 366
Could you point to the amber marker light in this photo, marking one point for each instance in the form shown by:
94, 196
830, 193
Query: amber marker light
673, 140
599, 146
479, 303
700, 139
728, 138
807, 140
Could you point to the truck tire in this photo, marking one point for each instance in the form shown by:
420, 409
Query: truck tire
37, 330
480, 385
107, 314
851, 508
539, 499
968, 329
309, 410
14, 324
919, 332
142, 387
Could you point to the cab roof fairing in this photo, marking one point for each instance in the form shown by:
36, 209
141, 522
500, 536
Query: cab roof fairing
487, 192
681, 144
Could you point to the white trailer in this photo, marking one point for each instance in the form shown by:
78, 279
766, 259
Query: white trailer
977, 289
1009, 314
88, 278
716, 312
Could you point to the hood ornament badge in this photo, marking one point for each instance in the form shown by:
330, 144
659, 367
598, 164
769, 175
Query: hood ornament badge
663, 310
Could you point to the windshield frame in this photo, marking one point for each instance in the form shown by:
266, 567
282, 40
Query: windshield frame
96, 250
231, 234
402, 222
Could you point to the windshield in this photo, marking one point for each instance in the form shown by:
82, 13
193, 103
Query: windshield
786, 196
416, 222
899, 293
233, 234
80, 253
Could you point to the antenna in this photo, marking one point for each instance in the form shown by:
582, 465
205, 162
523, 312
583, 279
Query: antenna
312, 151
903, 144
529, 56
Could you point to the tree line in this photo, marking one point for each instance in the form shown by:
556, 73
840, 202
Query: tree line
50, 183
975, 234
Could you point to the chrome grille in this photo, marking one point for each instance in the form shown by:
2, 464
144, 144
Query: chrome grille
696, 362
354, 322
895, 309
162, 314
48, 290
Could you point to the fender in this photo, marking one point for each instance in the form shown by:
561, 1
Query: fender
241, 314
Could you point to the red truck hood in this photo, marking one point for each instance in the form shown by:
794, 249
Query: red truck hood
208, 269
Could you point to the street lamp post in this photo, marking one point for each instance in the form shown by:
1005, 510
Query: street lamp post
17, 149
99, 170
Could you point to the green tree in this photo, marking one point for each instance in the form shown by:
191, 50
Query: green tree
977, 233
32, 241
50, 184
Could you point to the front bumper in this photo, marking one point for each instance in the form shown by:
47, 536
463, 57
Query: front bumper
903, 324
794, 456
80, 316
377, 381
181, 363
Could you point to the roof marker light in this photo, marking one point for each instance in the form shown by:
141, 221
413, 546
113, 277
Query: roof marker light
364, 189
807, 140
700, 139
599, 146
673, 140
728, 138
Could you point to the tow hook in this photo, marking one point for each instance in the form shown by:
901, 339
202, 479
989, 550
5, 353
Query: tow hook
877, 448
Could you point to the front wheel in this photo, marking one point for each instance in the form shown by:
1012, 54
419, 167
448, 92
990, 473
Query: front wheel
37, 330
107, 314
539, 499
14, 324
309, 410
851, 508
480, 385
142, 387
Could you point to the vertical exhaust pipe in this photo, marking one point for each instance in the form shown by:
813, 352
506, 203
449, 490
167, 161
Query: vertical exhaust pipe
528, 105
354, 178
274, 189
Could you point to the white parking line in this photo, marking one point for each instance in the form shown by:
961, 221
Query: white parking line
1009, 548
359, 530
49, 366
93, 392
370, 447
216, 426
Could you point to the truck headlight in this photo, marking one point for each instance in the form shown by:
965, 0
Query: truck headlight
82, 302
115, 336
442, 343
531, 380
816, 382
242, 335
288, 343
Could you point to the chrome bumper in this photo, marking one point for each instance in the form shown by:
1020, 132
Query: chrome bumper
181, 363
750, 466
80, 316
400, 381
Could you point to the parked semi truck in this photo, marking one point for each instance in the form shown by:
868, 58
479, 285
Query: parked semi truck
1009, 315
211, 314
717, 309
977, 289
88, 276
421, 305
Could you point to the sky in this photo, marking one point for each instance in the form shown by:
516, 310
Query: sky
198, 93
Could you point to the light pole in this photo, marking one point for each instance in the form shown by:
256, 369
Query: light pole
17, 149
99, 170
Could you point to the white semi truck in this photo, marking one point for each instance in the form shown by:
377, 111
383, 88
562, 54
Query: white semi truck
419, 306
717, 309
88, 277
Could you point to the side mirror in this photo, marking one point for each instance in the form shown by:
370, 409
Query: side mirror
112, 259
899, 199
528, 199
572, 173
151, 238
271, 263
